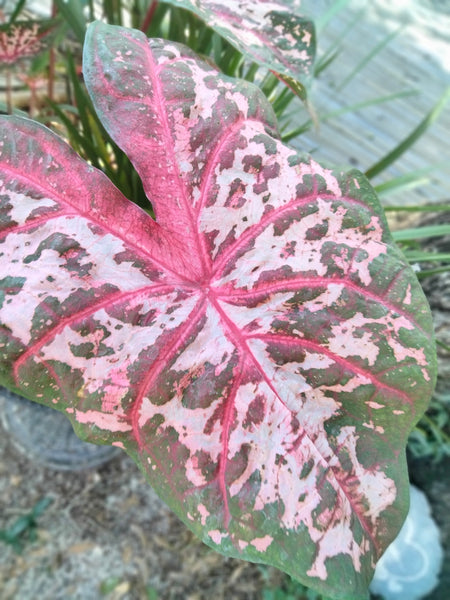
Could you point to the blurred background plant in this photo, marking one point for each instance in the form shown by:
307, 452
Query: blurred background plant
24, 529
40, 57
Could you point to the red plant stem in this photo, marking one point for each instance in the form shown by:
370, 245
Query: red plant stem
51, 74
51, 62
149, 16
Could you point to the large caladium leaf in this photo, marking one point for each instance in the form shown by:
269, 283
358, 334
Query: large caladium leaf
273, 33
261, 349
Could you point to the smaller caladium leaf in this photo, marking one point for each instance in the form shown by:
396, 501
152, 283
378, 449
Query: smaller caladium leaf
273, 33
261, 349
25, 39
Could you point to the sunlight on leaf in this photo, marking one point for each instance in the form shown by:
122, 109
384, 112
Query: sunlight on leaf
261, 349
273, 33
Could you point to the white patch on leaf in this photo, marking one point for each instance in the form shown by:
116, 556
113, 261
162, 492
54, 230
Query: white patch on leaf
350, 339
23, 205
211, 344
108, 422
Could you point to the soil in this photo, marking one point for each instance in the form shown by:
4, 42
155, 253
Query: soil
107, 534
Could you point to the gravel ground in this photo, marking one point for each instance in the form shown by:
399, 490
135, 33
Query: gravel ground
106, 534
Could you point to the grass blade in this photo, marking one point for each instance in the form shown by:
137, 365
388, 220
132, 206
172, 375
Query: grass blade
430, 272
408, 142
332, 53
333, 10
419, 208
423, 256
325, 60
360, 66
406, 182
416, 233
16, 11
442, 345
82, 100
73, 14
306, 126
80, 143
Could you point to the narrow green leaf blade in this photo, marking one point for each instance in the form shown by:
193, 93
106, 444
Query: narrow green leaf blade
74, 15
411, 139
415, 233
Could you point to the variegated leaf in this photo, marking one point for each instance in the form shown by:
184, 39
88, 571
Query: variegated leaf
262, 349
273, 33
25, 39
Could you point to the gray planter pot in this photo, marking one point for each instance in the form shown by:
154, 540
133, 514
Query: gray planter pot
410, 567
46, 436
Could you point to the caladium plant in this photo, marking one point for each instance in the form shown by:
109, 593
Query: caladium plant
260, 348
24, 39
273, 33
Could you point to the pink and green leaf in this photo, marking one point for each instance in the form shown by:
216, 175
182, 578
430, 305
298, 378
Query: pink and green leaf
273, 33
25, 39
261, 349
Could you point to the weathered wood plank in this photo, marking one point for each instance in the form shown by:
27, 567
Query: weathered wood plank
417, 58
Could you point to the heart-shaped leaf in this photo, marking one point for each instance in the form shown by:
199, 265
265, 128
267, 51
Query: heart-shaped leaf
262, 349
273, 33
